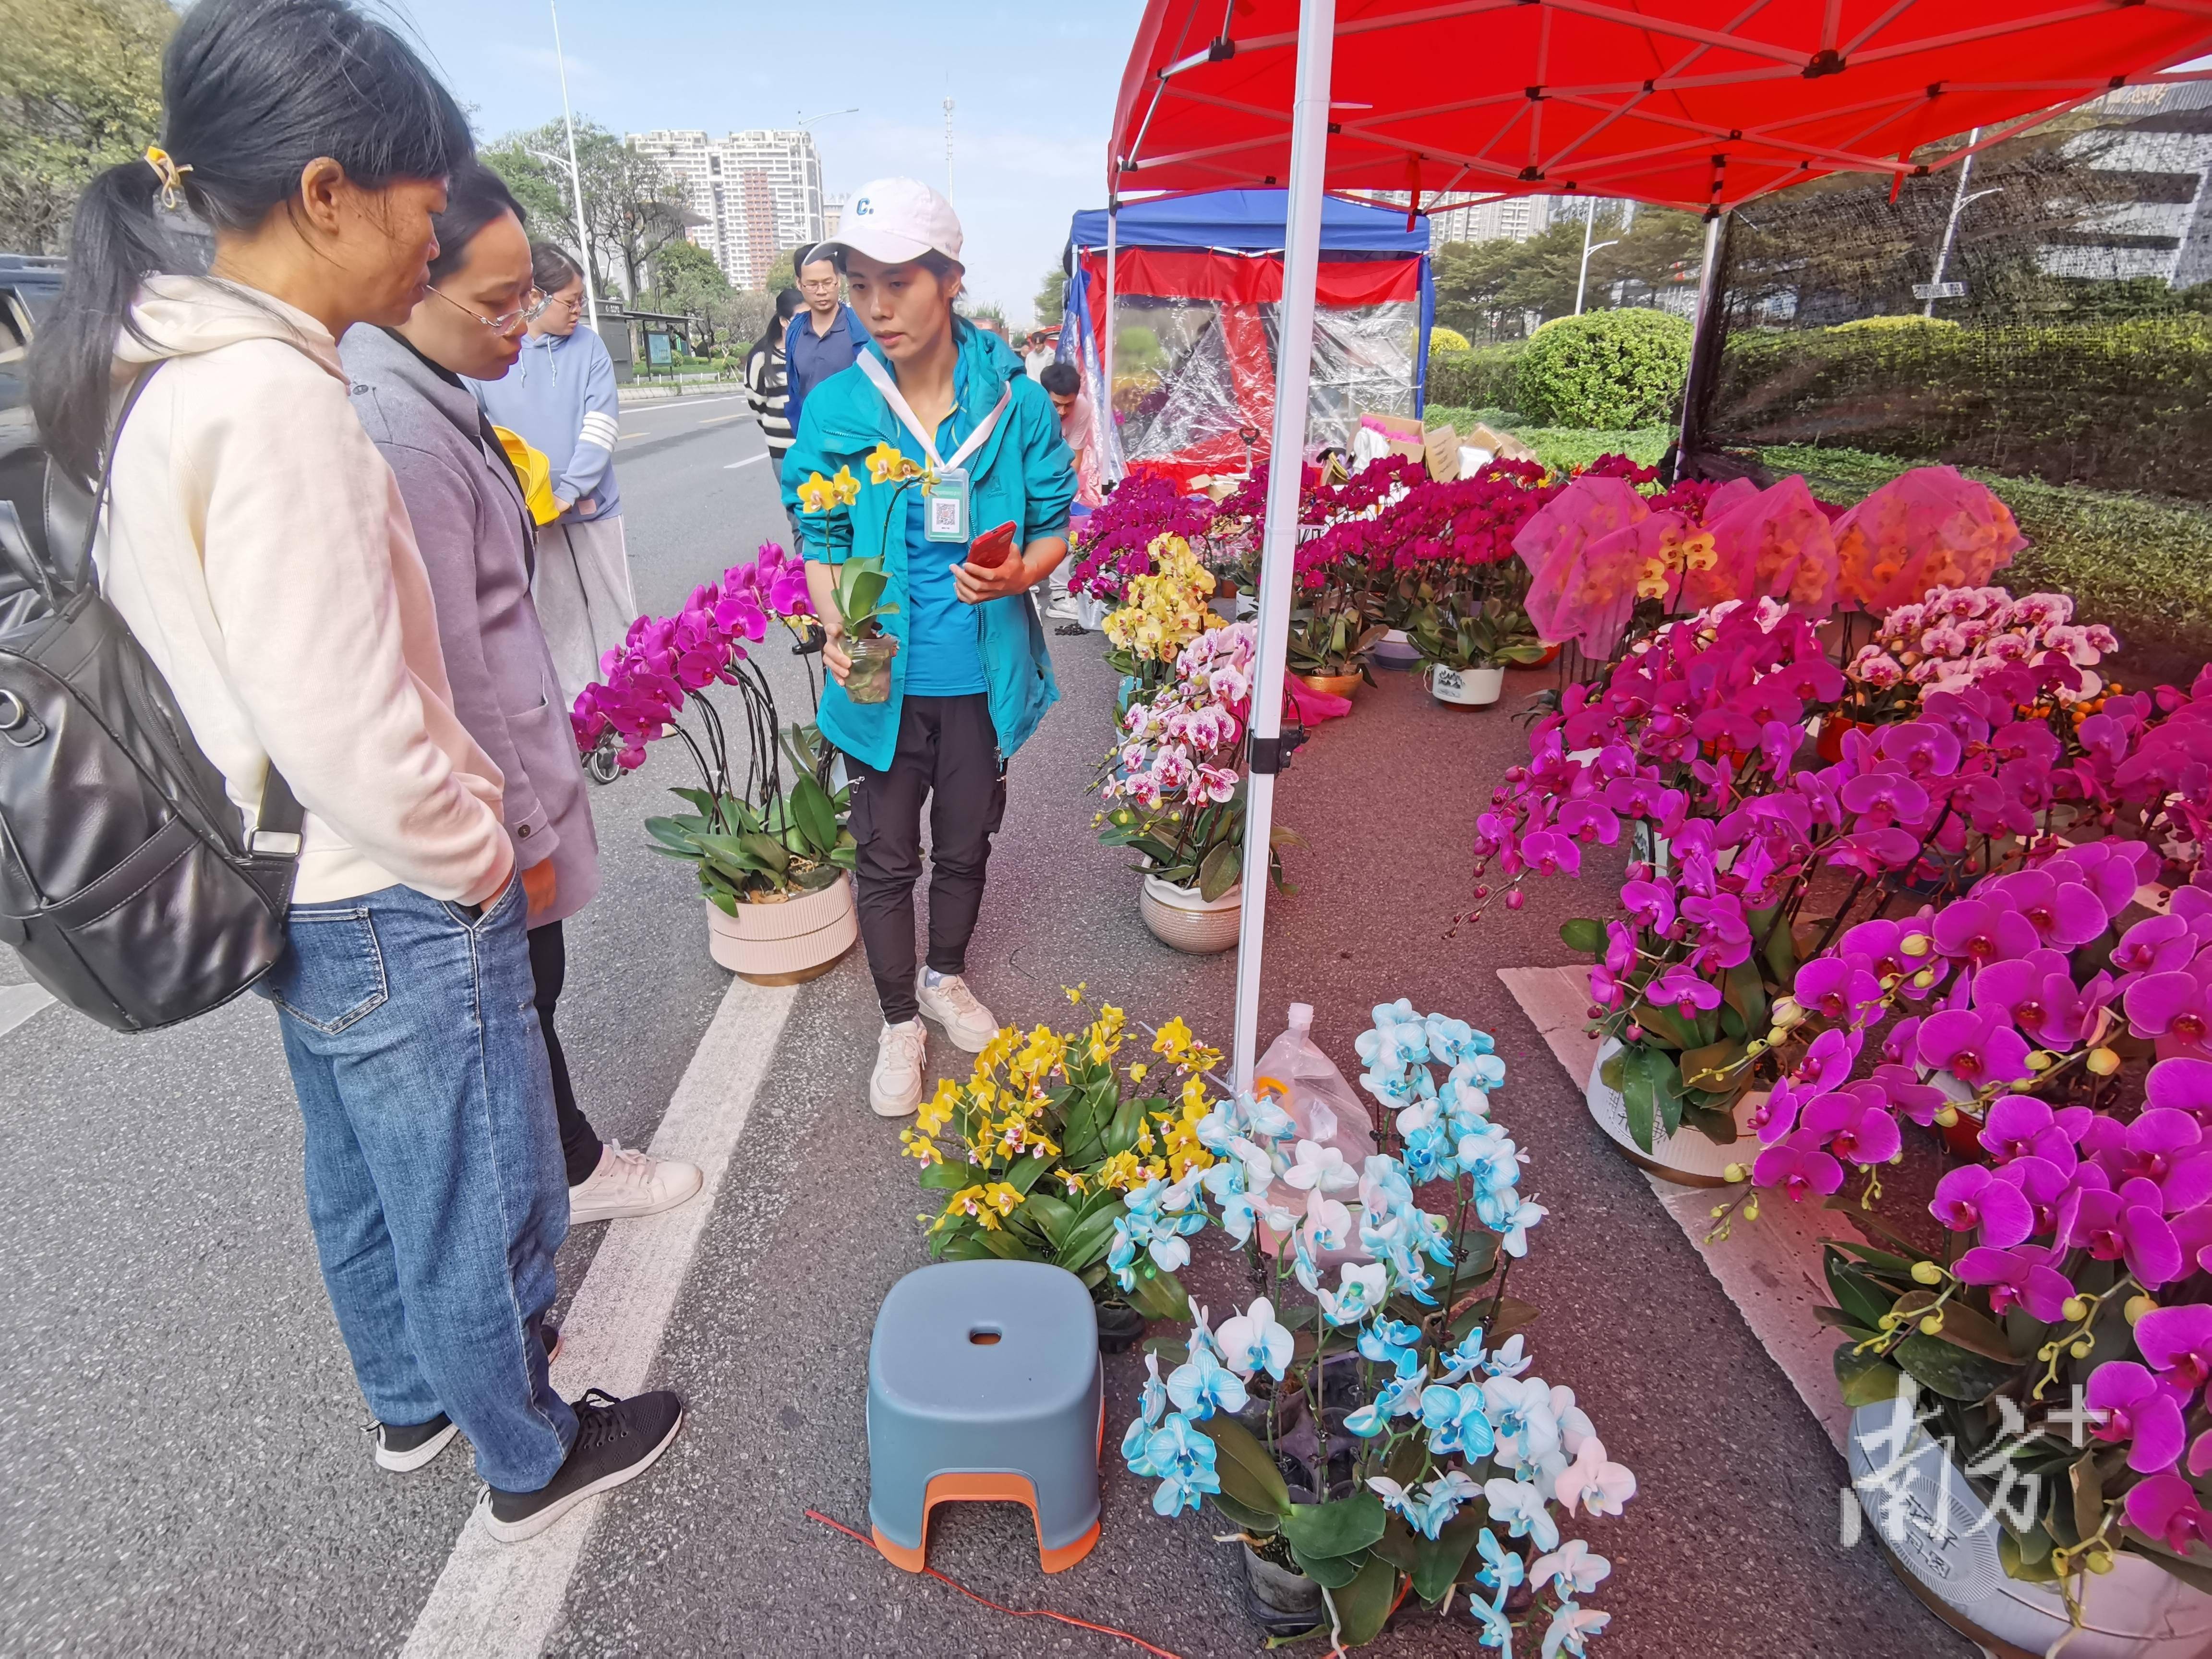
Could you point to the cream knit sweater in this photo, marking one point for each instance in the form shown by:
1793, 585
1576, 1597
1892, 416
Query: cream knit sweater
257, 544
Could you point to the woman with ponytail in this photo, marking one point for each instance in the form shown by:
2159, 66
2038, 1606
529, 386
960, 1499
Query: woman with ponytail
258, 545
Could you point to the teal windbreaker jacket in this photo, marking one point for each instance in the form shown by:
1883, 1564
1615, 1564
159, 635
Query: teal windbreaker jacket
842, 478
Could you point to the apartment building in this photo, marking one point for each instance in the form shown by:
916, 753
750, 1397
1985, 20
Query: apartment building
756, 192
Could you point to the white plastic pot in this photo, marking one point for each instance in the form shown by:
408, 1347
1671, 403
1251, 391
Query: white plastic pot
789, 941
1685, 1157
2136, 1611
1179, 917
1466, 688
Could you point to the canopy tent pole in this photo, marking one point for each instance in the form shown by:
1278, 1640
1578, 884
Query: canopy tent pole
1285, 471
1112, 445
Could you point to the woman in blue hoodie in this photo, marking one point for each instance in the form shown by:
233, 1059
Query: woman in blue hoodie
935, 410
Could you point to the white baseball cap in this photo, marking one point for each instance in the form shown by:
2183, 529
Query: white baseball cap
895, 220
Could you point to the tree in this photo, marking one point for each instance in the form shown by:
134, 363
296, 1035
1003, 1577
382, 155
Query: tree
781, 276
1051, 302
80, 91
633, 206
686, 280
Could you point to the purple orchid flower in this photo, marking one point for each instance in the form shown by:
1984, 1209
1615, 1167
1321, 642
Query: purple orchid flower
1839, 990
2143, 1414
2183, 1083
1882, 798
2021, 1126
2020, 1277
2164, 1147
1775, 1114
1548, 852
1972, 1048
2043, 1183
1874, 852
1828, 1061
1678, 988
1970, 1196
1854, 1125
2113, 1228
1921, 747
2064, 913
2176, 1343
2175, 1008
1979, 931
2164, 1507
1799, 1166
2156, 945
1907, 1094
1652, 903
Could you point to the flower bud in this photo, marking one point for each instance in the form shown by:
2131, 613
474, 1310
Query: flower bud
2021, 1086
1718, 1211
1515, 899
1927, 1272
2041, 1060
1481, 890
1924, 978
1889, 1322
2047, 1353
1787, 1013
1932, 1323
2076, 1308
1946, 1117
1914, 944
2100, 1560
2103, 1062
1634, 1033
2082, 1348
1751, 1211
1756, 1046
1735, 1172
2137, 1307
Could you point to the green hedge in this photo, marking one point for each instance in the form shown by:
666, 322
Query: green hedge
2123, 406
1483, 377
2140, 564
1609, 370
1560, 447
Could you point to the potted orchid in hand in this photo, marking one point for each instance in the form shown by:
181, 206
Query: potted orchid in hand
1373, 1433
2049, 1362
1176, 793
771, 857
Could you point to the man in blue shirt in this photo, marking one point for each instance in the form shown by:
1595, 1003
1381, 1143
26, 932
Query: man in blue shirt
823, 338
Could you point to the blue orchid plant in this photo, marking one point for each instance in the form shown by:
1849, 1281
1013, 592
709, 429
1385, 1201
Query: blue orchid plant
1461, 1468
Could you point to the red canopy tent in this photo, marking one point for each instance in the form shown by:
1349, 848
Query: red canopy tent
1702, 104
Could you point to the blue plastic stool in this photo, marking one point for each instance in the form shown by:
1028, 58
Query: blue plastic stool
984, 1383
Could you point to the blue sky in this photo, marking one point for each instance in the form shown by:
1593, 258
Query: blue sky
1033, 88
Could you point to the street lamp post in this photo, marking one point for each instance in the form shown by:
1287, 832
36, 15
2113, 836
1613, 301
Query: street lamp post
1581, 277
576, 174
1960, 202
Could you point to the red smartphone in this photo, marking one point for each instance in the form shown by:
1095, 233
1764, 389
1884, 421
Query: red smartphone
991, 549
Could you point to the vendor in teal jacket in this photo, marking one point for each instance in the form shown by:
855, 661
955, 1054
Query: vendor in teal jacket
935, 436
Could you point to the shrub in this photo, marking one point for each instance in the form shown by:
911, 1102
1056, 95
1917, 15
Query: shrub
2124, 406
1909, 320
1606, 369
1482, 377
1448, 339
2141, 565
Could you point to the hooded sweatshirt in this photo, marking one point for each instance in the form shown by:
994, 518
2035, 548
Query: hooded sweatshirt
561, 397
258, 546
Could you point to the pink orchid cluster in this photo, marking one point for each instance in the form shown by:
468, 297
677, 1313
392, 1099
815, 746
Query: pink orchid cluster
2021, 649
1116, 542
1182, 747
663, 660
1466, 522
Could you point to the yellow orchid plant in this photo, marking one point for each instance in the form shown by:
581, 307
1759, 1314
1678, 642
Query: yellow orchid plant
1034, 1151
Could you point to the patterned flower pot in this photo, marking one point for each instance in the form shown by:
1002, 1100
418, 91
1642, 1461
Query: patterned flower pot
1396, 653
1685, 1157
1179, 917
2136, 1611
786, 942
1466, 688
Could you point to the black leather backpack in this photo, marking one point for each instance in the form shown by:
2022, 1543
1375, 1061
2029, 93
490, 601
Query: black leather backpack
128, 884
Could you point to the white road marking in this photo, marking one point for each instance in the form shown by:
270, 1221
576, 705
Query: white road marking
720, 420
748, 461
495, 1600
18, 1002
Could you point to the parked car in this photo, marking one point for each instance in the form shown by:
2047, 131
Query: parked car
29, 285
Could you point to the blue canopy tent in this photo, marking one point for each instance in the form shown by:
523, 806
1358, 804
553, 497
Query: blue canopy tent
1193, 285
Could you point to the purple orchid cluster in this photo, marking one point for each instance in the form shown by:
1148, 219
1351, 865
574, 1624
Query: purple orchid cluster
663, 660
2057, 1019
1116, 541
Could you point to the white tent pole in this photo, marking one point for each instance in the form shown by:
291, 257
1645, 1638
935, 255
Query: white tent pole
1285, 470
1112, 447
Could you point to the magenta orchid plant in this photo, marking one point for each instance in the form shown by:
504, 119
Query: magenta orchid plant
2056, 1016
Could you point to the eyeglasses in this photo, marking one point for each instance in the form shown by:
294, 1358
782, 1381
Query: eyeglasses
533, 307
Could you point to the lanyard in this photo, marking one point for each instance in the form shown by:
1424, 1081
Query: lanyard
876, 373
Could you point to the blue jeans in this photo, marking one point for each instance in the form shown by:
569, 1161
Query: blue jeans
435, 1185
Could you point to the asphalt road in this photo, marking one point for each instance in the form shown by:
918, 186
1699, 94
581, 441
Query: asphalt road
180, 1444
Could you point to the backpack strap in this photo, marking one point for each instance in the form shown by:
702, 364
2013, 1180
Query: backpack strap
276, 826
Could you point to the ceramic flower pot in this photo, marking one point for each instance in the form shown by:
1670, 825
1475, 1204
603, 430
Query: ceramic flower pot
1090, 610
1685, 1157
1396, 653
1281, 1601
786, 942
870, 678
1179, 917
1465, 688
1334, 685
2136, 1611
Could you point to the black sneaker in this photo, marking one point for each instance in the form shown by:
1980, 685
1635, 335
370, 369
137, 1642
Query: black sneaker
617, 1440
405, 1447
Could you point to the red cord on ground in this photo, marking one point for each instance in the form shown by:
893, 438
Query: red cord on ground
1017, 1612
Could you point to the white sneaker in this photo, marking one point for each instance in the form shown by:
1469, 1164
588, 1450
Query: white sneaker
630, 1183
1063, 609
953, 1006
895, 1086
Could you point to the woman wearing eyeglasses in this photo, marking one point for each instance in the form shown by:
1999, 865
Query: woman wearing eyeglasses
560, 397
474, 529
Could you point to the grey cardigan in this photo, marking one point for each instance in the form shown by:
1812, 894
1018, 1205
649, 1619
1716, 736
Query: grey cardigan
470, 523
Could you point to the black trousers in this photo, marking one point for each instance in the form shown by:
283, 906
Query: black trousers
549, 968
948, 757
